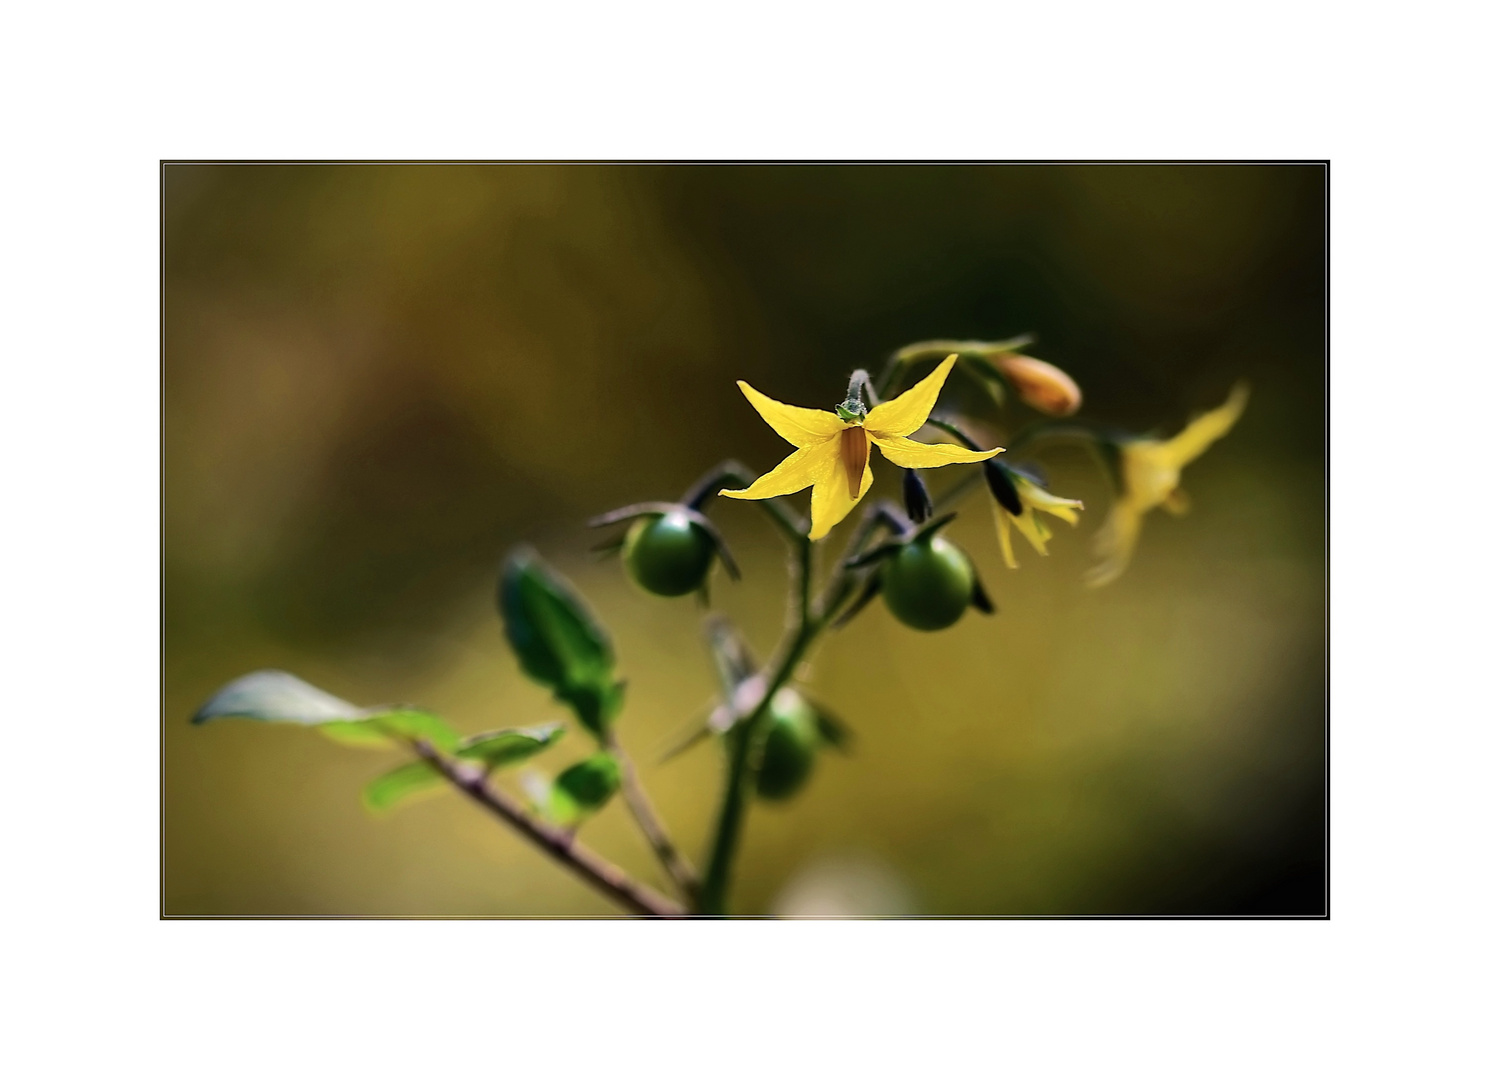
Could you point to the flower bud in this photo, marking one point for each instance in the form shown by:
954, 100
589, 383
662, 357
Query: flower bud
1040, 385
916, 496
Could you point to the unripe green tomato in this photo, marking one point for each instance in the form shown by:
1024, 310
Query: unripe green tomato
667, 555
791, 745
928, 584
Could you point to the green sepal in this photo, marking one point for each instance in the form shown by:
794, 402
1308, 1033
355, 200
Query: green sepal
558, 641
925, 531
942, 347
497, 749
832, 730
733, 661
402, 783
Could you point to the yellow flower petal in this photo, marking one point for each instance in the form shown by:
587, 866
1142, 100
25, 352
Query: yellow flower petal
831, 501
909, 454
1149, 474
1006, 544
1205, 429
1178, 502
1032, 529
1036, 496
906, 413
1114, 543
798, 426
801, 468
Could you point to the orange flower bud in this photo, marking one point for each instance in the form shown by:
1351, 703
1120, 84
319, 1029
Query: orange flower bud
1041, 385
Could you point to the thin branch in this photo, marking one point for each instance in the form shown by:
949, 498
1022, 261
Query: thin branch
610, 879
673, 861
955, 431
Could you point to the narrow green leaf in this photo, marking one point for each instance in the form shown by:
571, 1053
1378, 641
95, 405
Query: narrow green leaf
558, 641
507, 747
363, 734
394, 787
281, 698
418, 724
276, 696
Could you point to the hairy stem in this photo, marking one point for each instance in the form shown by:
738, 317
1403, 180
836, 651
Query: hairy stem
747, 743
608, 878
747, 738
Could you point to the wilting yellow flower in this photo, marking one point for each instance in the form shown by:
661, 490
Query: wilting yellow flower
1150, 470
1041, 385
1015, 499
832, 454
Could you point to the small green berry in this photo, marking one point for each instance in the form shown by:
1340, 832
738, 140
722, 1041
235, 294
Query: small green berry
791, 746
928, 583
668, 555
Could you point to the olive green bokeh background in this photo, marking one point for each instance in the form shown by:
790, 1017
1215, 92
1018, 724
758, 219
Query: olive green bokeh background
379, 378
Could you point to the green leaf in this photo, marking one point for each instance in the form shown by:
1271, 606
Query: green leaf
363, 734
276, 696
392, 788
281, 698
418, 724
589, 784
497, 749
558, 642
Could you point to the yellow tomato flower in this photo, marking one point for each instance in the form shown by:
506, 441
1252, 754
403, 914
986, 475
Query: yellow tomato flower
1029, 497
1150, 470
832, 455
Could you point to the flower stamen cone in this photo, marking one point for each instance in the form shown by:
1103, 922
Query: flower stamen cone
832, 455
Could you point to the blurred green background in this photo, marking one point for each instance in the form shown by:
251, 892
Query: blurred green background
377, 378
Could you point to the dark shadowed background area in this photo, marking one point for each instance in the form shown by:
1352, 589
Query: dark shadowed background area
377, 379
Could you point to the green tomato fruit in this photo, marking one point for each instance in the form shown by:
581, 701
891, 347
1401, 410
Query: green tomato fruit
928, 584
791, 745
667, 555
